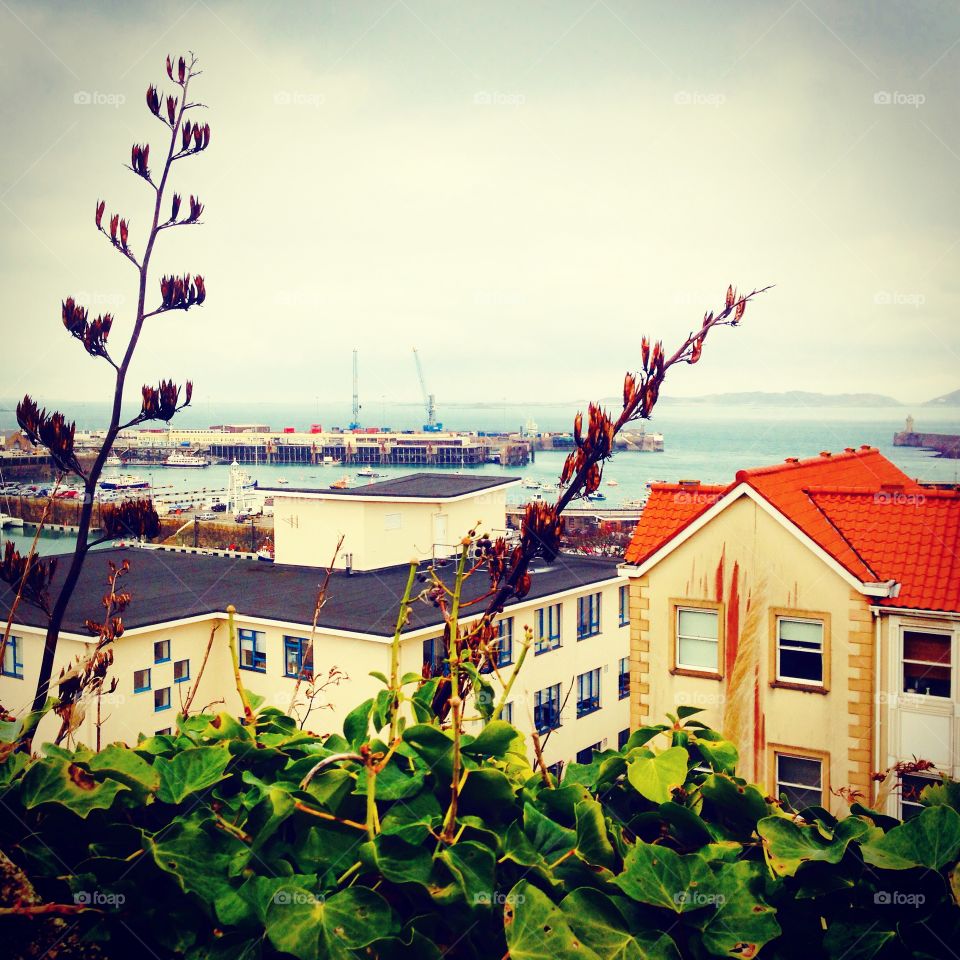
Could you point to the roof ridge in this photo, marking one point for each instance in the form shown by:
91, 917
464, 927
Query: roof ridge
792, 463
843, 537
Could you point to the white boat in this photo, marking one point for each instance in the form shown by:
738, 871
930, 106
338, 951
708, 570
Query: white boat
531, 484
612, 483
265, 552
368, 472
126, 481
113, 461
179, 459
7, 521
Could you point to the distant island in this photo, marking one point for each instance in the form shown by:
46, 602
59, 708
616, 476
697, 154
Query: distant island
947, 400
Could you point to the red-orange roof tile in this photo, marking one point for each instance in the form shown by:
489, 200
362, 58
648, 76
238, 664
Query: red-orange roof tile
798, 489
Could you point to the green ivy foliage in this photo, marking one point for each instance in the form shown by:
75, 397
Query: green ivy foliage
232, 841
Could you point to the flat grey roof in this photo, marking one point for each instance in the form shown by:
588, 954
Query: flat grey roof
422, 486
169, 586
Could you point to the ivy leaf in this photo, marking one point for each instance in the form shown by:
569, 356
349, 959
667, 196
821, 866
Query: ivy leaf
356, 724
473, 866
930, 839
659, 876
494, 740
312, 928
656, 777
537, 929
787, 844
488, 792
199, 860
594, 917
125, 765
54, 780
856, 941
435, 746
190, 771
742, 922
720, 754
593, 844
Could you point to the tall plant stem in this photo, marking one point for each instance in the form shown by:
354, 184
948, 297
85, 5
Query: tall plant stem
456, 702
113, 429
395, 652
501, 703
248, 717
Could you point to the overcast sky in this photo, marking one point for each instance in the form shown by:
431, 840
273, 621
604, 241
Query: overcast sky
520, 190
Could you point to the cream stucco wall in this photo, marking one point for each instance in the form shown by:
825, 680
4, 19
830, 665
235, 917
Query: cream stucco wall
746, 562
126, 713
379, 532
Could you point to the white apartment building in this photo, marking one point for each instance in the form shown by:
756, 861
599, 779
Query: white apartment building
574, 684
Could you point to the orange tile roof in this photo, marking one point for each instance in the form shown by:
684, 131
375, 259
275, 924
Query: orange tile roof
801, 490
910, 537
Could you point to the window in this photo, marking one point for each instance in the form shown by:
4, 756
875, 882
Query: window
926, 663
165, 732
12, 658
800, 651
507, 712
181, 671
588, 616
911, 787
161, 699
161, 651
253, 653
586, 754
625, 605
624, 678
556, 770
297, 657
622, 737
141, 681
548, 629
800, 780
698, 640
505, 644
546, 708
434, 657
588, 692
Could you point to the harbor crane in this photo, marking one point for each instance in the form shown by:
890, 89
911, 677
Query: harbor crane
429, 400
355, 419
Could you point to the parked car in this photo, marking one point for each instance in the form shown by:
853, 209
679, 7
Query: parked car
206, 516
219, 508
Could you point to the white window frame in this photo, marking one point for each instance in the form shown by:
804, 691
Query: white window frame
784, 678
943, 631
699, 668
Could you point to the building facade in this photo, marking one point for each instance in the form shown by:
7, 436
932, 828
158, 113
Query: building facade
176, 647
813, 610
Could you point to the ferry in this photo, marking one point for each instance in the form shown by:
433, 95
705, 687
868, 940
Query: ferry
126, 481
178, 459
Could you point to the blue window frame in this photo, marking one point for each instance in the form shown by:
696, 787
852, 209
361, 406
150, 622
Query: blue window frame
586, 754
625, 605
546, 708
161, 651
253, 651
588, 692
181, 671
297, 661
623, 681
588, 616
548, 628
161, 699
12, 658
507, 712
622, 737
435, 658
505, 641
141, 681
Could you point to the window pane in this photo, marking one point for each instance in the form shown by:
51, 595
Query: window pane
699, 654
798, 797
910, 789
799, 771
801, 665
930, 647
804, 633
698, 623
